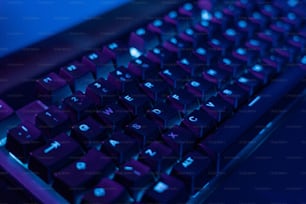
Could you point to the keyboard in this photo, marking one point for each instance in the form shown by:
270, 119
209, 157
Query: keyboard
159, 113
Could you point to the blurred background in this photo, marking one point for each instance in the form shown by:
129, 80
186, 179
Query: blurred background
23, 22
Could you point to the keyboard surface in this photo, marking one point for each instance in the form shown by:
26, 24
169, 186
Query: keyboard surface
157, 114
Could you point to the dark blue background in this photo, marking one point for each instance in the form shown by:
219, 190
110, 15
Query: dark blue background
23, 22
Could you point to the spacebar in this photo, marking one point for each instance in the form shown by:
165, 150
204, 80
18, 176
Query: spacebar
224, 144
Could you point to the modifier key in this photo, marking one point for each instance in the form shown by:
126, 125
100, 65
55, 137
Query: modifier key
57, 153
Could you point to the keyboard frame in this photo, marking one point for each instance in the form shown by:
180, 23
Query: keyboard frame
34, 61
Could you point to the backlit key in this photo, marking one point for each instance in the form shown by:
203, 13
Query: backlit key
52, 88
77, 75
57, 153
23, 139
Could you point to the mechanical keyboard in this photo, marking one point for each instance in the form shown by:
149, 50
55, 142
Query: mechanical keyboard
159, 113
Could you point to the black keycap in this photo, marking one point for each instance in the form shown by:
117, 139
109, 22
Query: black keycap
202, 32
270, 11
215, 48
82, 174
119, 53
77, 75
177, 20
143, 130
162, 56
263, 72
241, 55
52, 121
163, 29
275, 62
23, 139
192, 65
217, 76
217, 23
143, 39
201, 54
234, 95
100, 64
194, 170
28, 112
137, 103
157, 89
107, 191
164, 116
157, 156
88, 132
231, 14
258, 20
189, 13
288, 55
180, 140
232, 38
113, 116
296, 43
175, 77
244, 27
199, 122
201, 88
122, 79
78, 106
189, 36
269, 38
166, 190
52, 89
101, 92
178, 45
120, 147
183, 101
245, 6
249, 83
143, 68
134, 176
217, 108
292, 19
281, 29
231, 65
8, 118
58, 152
256, 48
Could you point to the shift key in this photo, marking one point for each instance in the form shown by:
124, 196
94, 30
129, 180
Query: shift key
238, 131
56, 154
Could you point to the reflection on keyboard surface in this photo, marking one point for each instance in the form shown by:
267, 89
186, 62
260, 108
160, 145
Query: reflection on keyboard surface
154, 118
